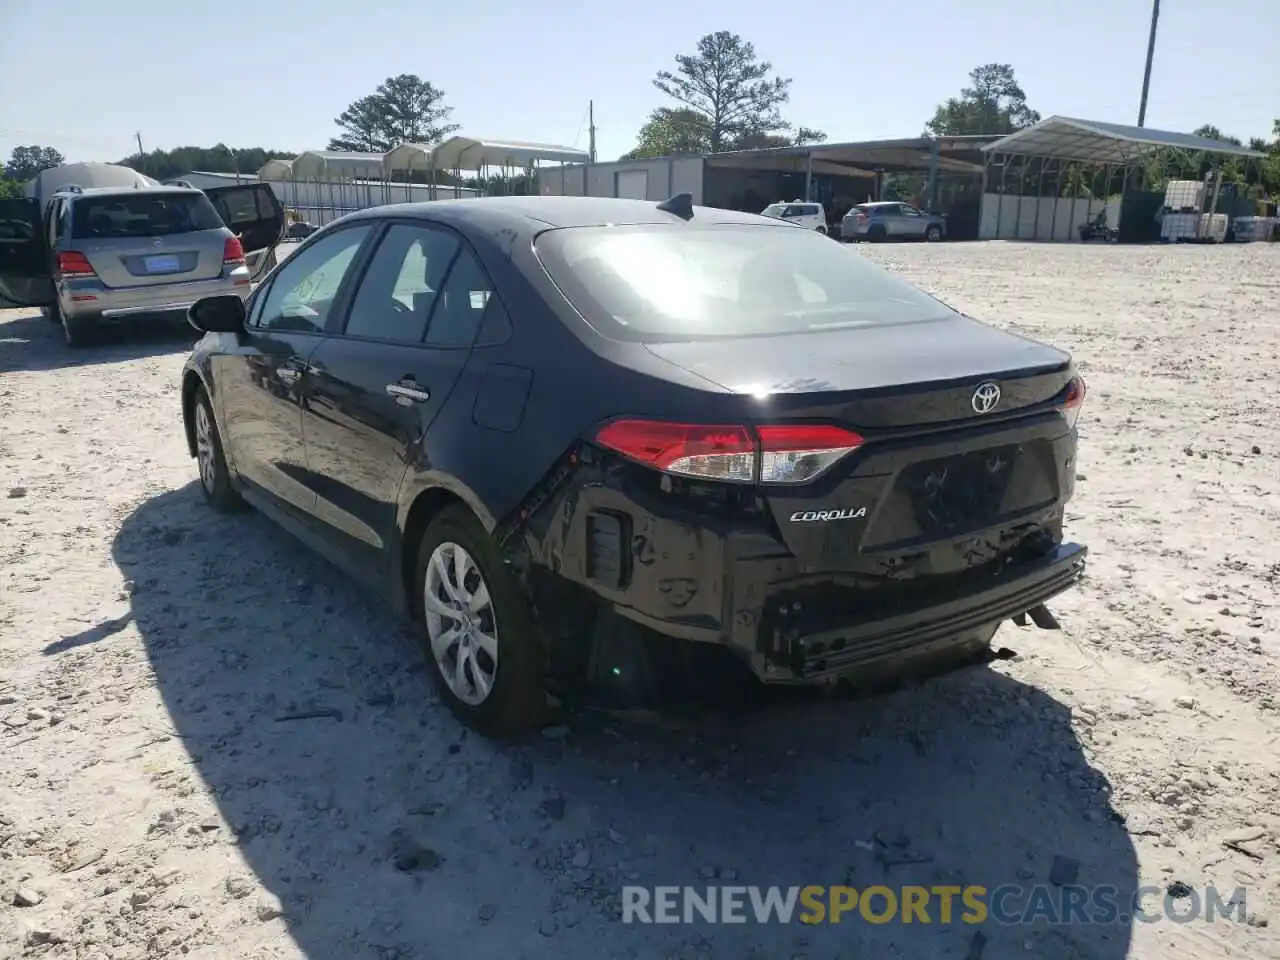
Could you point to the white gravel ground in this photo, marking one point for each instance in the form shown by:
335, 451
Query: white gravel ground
155, 801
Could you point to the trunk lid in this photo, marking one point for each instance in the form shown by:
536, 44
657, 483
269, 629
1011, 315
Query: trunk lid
879, 377
147, 261
945, 479
146, 237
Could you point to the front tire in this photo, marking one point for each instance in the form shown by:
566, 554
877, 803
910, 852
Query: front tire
933, 234
215, 478
480, 644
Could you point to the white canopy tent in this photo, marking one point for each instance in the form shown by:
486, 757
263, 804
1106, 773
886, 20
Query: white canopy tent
471, 154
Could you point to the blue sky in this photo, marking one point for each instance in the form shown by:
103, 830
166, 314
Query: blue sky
84, 75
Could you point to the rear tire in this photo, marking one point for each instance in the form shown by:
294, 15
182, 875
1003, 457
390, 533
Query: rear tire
53, 312
215, 478
77, 331
480, 644
877, 234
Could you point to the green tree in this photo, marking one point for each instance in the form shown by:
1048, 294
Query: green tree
994, 105
728, 88
672, 131
404, 109
759, 141
25, 162
220, 158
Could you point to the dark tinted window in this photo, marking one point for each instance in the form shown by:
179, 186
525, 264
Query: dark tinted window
462, 304
143, 214
652, 283
304, 288
402, 284
243, 205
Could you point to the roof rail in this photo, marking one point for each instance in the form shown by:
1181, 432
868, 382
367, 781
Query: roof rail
69, 188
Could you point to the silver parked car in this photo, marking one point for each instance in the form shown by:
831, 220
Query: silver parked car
108, 254
891, 220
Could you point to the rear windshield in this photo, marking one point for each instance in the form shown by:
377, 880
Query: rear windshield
143, 215
655, 283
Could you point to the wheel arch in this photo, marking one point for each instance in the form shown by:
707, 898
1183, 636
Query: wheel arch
191, 382
423, 500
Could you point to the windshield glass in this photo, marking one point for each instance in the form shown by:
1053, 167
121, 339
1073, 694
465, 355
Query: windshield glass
653, 283
143, 215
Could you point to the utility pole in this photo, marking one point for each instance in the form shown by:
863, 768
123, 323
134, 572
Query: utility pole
142, 154
591, 130
1151, 51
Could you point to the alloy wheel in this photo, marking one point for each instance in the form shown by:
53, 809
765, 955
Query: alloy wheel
204, 449
460, 622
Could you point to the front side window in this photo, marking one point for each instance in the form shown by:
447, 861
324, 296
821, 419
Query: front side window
304, 289
655, 283
908, 211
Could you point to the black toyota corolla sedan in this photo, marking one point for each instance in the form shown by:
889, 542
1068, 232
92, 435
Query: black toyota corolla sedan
542, 424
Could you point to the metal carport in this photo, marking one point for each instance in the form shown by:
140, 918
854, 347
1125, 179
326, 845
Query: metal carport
476, 155
1034, 179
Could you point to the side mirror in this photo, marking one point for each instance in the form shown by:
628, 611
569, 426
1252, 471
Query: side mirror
224, 314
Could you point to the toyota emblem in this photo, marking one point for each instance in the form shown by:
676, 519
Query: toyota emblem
157, 242
986, 397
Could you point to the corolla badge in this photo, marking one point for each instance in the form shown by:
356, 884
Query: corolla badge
986, 397
819, 516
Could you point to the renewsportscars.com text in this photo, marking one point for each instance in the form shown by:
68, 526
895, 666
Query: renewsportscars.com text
1007, 904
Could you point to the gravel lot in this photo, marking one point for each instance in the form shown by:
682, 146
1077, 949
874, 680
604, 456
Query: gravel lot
157, 799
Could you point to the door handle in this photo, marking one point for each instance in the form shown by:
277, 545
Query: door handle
289, 374
407, 392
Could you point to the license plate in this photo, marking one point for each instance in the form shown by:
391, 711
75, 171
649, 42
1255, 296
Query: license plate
162, 264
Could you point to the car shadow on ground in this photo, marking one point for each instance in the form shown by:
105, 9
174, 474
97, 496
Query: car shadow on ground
31, 342
387, 830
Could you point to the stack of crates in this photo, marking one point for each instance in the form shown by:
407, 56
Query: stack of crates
1184, 196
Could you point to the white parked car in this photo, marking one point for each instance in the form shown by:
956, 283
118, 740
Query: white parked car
809, 215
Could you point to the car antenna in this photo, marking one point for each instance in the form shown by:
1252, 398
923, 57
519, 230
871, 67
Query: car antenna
681, 204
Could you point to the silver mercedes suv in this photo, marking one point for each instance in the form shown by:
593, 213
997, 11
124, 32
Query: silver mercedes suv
109, 254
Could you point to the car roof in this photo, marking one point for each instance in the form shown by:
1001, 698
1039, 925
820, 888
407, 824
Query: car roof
123, 191
538, 213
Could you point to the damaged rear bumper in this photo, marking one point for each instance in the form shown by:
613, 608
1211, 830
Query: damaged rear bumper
806, 636
809, 650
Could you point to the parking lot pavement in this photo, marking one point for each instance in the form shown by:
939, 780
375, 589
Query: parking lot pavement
213, 746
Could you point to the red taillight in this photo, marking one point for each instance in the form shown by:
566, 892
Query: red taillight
232, 252
779, 453
74, 264
696, 450
860, 216
1074, 401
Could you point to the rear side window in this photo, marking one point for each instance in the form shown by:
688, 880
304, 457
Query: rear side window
401, 286
656, 283
461, 305
142, 214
